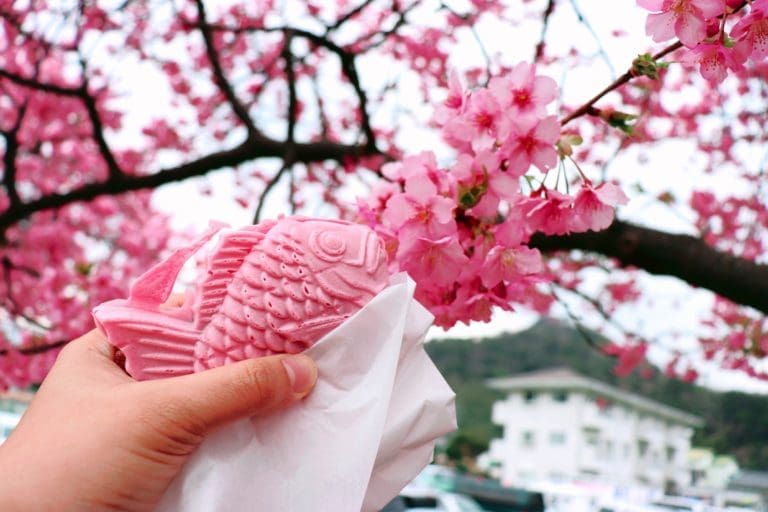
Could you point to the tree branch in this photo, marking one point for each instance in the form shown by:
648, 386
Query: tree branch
588, 107
682, 256
9, 158
41, 86
349, 15
257, 147
623, 79
218, 73
346, 59
36, 349
113, 169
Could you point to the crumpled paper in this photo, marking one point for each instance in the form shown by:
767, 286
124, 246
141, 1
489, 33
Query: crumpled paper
367, 429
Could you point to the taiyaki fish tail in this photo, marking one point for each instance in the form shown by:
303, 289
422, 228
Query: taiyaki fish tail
156, 343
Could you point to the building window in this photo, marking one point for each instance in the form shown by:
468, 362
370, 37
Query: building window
609, 450
642, 448
557, 437
591, 436
528, 439
627, 449
560, 396
529, 396
671, 453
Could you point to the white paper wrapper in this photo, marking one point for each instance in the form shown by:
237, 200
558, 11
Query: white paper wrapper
365, 431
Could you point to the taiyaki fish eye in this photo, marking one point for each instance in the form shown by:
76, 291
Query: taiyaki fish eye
331, 243
327, 245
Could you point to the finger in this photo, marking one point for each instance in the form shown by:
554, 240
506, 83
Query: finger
91, 356
89, 345
176, 300
239, 390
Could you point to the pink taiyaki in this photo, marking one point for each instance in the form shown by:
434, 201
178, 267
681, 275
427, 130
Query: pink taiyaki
273, 288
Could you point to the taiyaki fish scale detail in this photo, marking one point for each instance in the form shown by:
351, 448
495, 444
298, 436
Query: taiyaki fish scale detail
272, 288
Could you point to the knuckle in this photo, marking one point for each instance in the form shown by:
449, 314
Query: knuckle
258, 380
177, 425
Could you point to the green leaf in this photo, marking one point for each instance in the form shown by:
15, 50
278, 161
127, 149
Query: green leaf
621, 121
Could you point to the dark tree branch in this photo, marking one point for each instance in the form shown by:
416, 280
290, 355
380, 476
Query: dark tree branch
346, 59
37, 349
682, 256
267, 189
31, 83
9, 158
293, 102
349, 15
113, 169
385, 34
260, 147
290, 143
89, 102
218, 73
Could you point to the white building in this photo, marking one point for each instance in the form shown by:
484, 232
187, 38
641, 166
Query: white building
561, 426
13, 403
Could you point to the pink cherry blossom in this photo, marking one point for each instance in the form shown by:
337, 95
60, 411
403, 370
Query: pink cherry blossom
420, 208
455, 103
509, 263
684, 19
594, 207
523, 92
751, 32
531, 141
432, 262
480, 120
714, 60
553, 214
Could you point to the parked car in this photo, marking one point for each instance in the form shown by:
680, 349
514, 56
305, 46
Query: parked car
432, 501
488, 493
681, 504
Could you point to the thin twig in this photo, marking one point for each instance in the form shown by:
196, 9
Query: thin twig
623, 79
601, 50
267, 189
539, 53
349, 15
629, 75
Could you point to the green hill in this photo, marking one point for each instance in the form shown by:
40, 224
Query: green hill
736, 423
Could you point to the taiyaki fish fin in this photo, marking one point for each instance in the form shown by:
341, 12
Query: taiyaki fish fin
312, 329
158, 342
154, 286
224, 260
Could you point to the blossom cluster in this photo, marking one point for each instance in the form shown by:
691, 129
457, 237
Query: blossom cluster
700, 25
462, 232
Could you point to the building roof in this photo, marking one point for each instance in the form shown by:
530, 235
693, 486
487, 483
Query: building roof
562, 378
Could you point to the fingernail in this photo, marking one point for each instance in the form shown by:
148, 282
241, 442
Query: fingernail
301, 371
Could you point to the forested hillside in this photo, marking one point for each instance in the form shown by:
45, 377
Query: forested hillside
736, 423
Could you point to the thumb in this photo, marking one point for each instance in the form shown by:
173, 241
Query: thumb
247, 388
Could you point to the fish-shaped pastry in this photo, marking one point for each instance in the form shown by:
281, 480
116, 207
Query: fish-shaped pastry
273, 288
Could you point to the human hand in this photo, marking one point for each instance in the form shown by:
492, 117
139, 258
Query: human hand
95, 439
